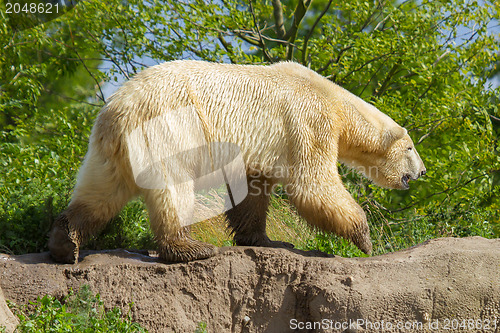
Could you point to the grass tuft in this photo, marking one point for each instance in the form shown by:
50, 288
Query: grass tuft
80, 312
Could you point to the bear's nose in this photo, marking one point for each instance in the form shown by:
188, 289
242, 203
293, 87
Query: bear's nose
423, 172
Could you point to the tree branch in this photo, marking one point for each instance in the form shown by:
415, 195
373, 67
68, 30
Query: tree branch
109, 56
228, 47
374, 75
126, 53
90, 73
494, 118
419, 99
387, 80
339, 56
262, 44
198, 53
55, 93
366, 63
278, 19
309, 34
298, 15
325, 67
426, 135
249, 40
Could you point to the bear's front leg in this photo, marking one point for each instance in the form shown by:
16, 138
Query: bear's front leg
63, 244
81, 220
325, 203
100, 193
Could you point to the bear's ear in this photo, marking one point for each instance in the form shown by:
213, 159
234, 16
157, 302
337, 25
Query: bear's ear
393, 134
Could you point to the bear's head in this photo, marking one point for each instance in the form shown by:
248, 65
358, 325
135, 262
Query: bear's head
390, 160
398, 162
379, 148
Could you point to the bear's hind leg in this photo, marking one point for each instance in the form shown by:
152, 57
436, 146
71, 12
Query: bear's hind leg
169, 218
248, 219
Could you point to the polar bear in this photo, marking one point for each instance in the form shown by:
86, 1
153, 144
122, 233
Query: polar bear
285, 124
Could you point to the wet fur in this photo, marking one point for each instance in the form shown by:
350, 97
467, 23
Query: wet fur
281, 116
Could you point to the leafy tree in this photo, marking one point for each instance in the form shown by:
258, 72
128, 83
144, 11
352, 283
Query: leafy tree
45, 120
424, 63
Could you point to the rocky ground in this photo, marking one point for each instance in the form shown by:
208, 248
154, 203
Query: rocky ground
431, 287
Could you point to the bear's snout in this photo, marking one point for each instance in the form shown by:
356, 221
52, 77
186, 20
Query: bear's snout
405, 179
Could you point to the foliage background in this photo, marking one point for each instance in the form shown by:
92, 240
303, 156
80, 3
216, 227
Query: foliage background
430, 65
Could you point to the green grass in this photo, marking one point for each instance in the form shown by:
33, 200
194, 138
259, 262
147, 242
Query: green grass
202, 328
80, 312
283, 224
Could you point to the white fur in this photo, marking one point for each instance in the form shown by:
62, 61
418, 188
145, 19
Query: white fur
282, 117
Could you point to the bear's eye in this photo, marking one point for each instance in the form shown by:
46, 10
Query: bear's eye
410, 148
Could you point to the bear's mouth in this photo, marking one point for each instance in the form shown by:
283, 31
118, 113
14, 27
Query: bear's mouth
405, 181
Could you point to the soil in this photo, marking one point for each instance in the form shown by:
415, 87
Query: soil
428, 288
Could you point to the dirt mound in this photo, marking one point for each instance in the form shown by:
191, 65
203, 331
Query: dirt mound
431, 287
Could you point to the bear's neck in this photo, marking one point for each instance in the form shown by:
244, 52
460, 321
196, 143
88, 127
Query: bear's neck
363, 125
359, 133
360, 141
